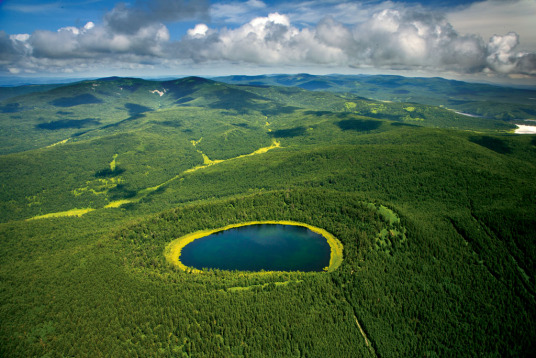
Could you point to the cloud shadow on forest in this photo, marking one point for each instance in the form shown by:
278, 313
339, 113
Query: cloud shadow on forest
359, 125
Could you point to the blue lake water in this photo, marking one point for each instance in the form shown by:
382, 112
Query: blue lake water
270, 247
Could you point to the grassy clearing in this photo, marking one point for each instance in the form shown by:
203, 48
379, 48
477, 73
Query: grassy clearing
350, 105
118, 203
58, 143
172, 252
196, 142
208, 162
97, 187
275, 144
102, 186
113, 164
408, 118
388, 215
72, 212
260, 286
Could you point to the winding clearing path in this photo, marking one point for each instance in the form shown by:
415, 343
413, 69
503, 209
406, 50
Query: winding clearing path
144, 192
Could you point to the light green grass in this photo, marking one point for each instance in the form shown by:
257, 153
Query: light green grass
260, 286
72, 212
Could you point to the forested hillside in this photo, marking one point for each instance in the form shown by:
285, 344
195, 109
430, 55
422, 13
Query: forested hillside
435, 210
477, 99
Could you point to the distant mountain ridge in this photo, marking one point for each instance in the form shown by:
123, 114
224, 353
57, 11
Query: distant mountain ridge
485, 100
499, 102
47, 114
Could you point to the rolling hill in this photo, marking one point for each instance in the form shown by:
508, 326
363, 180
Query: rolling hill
483, 100
99, 176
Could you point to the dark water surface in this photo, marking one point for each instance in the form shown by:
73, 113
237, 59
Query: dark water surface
270, 247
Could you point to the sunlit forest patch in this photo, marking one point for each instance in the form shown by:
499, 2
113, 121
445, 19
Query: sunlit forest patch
435, 218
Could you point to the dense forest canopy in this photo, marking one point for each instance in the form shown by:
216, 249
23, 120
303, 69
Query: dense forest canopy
435, 210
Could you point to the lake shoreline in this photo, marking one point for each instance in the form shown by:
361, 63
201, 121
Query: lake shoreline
173, 250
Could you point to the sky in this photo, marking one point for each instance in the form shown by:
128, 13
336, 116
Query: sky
478, 40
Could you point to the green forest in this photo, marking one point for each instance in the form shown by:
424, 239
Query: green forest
435, 211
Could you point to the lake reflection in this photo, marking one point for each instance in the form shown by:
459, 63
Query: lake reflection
270, 247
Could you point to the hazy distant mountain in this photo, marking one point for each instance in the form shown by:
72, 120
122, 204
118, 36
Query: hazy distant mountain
491, 101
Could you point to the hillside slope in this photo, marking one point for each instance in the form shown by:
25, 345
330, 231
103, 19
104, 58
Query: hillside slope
91, 109
84, 224
489, 101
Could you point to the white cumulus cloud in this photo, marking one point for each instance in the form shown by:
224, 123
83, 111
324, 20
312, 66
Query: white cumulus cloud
267, 40
390, 36
493, 17
200, 30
